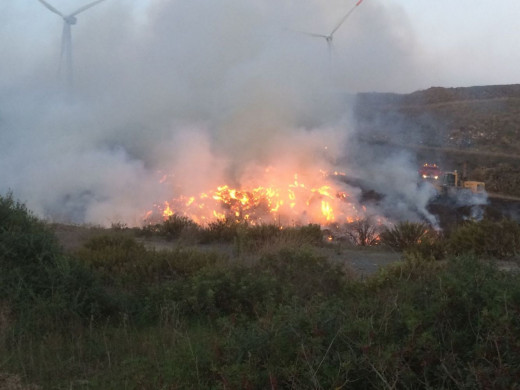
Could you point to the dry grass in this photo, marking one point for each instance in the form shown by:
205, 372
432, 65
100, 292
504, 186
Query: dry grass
73, 237
5, 320
277, 243
13, 382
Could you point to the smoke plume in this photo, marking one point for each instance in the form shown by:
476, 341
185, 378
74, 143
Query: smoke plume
200, 92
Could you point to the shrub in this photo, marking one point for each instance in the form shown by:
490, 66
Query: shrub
486, 238
405, 235
235, 290
272, 238
260, 234
311, 233
277, 279
28, 252
363, 232
106, 242
127, 263
223, 230
303, 274
25, 242
40, 283
176, 225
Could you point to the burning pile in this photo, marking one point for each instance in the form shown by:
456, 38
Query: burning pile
282, 200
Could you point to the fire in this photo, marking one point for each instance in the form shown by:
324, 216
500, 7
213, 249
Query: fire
285, 202
167, 210
327, 211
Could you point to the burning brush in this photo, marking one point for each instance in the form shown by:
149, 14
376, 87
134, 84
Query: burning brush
300, 200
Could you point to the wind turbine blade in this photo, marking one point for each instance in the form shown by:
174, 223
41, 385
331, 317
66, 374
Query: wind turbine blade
342, 21
85, 7
51, 8
312, 34
317, 35
345, 17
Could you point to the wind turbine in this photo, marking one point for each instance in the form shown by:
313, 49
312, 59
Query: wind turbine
328, 38
66, 37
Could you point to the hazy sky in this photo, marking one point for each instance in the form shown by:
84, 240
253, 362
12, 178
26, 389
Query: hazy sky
476, 41
454, 42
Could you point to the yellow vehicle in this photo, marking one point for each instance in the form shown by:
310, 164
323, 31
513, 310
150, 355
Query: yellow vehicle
452, 182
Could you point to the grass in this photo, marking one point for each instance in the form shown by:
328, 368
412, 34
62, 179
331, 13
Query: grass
451, 326
115, 314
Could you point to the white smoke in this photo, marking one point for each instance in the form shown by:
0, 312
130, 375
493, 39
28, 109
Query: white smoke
201, 90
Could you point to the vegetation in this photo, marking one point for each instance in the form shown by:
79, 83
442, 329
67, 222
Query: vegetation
114, 314
486, 238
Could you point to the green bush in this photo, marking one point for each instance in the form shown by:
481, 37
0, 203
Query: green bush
174, 227
224, 291
223, 230
124, 262
302, 274
264, 237
449, 325
26, 244
249, 290
311, 234
28, 253
499, 239
41, 284
120, 315
177, 225
405, 235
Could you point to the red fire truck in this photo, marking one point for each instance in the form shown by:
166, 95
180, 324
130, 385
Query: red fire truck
430, 172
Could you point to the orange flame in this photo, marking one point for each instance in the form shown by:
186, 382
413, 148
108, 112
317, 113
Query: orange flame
294, 202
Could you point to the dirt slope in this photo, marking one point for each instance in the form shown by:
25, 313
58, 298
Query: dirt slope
476, 126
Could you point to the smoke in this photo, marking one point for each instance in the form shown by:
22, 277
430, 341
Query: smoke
202, 92
475, 202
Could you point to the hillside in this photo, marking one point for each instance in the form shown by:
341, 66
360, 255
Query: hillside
476, 126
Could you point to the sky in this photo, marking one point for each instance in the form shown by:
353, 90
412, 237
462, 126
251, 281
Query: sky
454, 43
475, 42
204, 92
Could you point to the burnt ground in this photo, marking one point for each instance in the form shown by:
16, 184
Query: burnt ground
450, 214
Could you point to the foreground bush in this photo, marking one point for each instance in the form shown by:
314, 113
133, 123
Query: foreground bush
420, 325
41, 285
28, 251
286, 277
293, 320
290, 319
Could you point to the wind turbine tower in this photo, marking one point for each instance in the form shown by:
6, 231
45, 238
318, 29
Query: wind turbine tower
66, 38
